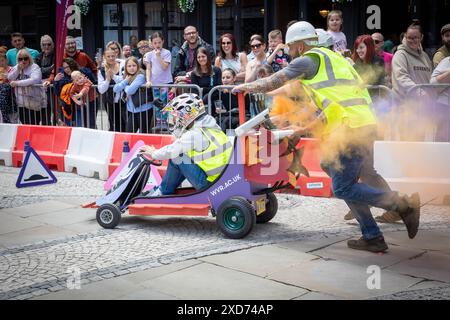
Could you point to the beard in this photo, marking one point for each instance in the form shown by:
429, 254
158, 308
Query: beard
447, 45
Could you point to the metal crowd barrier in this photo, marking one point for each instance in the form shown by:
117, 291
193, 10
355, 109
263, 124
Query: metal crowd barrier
424, 116
38, 105
429, 111
223, 106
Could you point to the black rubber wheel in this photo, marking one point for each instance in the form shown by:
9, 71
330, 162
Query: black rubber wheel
271, 209
236, 217
108, 215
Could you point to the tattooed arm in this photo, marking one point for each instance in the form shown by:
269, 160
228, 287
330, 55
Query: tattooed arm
303, 67
265, 84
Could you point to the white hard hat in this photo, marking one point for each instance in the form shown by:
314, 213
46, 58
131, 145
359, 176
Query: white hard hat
301, 30
325, 38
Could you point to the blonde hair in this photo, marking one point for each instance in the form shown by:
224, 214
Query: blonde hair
75, 74
143, 43
25, 52
139, 71
48, 38
339, 13
109, 44
275, 34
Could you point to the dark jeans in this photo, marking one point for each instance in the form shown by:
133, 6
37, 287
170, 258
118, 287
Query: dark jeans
85, 116
141, 121
28, 116
117, 116
179, 169
356, 164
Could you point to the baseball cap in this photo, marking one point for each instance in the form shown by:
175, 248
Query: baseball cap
445, 28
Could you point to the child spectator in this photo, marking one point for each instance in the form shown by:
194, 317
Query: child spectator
277, 55
140, 113
193, 155
227, 106
335, 25
83, 96
158, 72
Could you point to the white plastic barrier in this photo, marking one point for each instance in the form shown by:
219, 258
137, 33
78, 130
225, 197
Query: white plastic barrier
409, 167
89, 152
7, 141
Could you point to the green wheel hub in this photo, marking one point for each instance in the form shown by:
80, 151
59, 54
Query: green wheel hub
234, 219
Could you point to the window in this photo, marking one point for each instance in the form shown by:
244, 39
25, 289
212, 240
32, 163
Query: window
153, 13
120, 21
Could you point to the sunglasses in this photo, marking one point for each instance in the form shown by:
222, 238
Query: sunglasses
23, 59
46, 44
225, 43
377, 41
256, 46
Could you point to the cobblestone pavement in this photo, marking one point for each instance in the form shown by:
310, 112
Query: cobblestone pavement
140, 243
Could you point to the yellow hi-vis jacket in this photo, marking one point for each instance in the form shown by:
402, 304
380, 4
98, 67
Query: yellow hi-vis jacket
338, 90
215, 157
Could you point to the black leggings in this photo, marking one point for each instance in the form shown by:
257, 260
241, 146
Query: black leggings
141, 121
28, 116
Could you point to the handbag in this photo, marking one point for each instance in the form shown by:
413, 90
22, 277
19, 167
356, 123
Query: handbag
142, 96
32, 97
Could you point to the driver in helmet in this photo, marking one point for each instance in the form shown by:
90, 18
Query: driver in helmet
200, 151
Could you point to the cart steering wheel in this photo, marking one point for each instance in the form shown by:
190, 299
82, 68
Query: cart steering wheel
152, 161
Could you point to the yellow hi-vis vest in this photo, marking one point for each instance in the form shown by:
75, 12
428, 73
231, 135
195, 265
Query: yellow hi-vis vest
215, 157
338, 90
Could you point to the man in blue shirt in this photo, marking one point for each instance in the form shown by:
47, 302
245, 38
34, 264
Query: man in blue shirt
18, 42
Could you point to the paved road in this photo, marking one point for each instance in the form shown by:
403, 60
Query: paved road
45, 236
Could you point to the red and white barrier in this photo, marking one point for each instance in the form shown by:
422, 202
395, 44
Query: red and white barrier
8, 134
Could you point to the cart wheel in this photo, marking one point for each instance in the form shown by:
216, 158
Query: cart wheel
108, 215
236, 217
271, 209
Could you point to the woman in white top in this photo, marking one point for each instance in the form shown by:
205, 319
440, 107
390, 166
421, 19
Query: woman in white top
258, 47
108, 75
29, 98
230, 58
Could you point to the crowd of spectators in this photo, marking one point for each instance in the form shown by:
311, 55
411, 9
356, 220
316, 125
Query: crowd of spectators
124, 80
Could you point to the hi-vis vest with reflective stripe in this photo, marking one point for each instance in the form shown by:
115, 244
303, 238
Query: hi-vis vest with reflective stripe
339, 91
214, 158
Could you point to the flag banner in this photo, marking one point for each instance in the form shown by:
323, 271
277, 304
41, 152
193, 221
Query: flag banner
62, 15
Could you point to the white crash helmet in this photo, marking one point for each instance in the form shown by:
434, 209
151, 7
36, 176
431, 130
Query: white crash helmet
301, 30
325, 38
182, 111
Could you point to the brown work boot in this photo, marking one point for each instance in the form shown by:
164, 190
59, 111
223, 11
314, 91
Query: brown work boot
411, 214
349, 215
389, 217
373, 245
